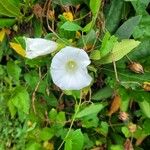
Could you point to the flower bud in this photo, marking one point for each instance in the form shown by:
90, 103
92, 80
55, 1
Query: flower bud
146, 86
123, 116
136, 67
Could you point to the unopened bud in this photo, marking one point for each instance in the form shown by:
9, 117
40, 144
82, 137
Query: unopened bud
51, 15
123, 116
146, 86
136, 67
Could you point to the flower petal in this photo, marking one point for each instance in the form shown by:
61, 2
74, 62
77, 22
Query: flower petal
76, 81
37, 47
66, 80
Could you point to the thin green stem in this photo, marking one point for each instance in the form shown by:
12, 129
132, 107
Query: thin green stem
72, 122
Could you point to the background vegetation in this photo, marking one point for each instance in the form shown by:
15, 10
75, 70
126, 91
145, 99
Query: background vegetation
113, 112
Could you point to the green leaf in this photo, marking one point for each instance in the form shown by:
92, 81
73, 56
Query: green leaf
91, 109
37, 28
20, 99
13, 70
70, 26
127, 76
7, 22
33, 146
103, 93
104, 128
116, 147
46, 134
142, 31
68, 2
146, 126
95, 6
75, 140
119, 50
114, 15
88, 26
88, 39
8, 8
145, 108
95, 55
140, 6
68, 144
90, 121
125, 99
107, 44
126, 131
127, 28
12, 109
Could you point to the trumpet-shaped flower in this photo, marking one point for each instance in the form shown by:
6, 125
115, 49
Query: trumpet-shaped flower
37, 47
69, 69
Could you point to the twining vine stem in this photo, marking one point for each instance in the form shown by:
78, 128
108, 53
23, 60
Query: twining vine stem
72, 122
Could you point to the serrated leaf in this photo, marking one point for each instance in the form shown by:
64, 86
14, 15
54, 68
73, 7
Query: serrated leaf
119, 50
127, 28
70, 26
91, 109
18, 48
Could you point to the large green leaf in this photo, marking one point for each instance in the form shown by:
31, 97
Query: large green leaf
127, 28
91, 109
114, 15
9, 9
104, 93
127, 76
74, 141
119, 50
70, 26
6, 22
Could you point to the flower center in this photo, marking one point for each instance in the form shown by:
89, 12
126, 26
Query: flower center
71, 65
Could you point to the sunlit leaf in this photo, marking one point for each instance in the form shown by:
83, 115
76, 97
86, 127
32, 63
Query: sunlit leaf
119, 50
18, 48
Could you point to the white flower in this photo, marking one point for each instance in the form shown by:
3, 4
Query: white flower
37, 47
69, 69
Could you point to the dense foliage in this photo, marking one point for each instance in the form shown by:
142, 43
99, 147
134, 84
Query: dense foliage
113, 112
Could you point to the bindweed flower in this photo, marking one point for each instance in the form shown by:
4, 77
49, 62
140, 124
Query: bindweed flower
38, 47
69, 69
